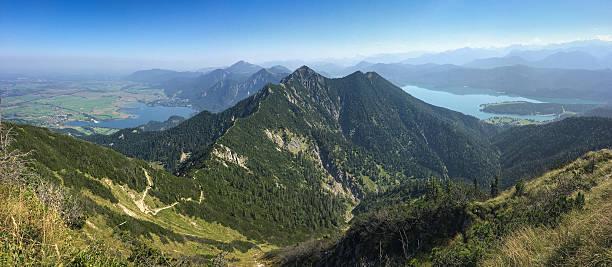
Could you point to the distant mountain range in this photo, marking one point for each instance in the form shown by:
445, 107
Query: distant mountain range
584, 54
456, 57
519, 80
574, 69
560, 60
159, 75
214, 90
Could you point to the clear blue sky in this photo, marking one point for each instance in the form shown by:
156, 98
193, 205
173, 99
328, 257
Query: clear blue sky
206, 33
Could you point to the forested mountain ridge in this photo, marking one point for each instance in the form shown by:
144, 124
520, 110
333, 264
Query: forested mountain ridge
392, 125
305, 148
530, 150
345, 118
294, 157
174, 145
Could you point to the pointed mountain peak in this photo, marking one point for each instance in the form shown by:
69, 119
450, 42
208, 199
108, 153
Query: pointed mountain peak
364, 63
243, 67
279, 69
303, 74
240, 63
305, 70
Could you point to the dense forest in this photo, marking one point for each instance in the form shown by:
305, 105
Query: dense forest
530, 150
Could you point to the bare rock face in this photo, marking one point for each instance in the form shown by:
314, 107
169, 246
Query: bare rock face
226, 154
287, 140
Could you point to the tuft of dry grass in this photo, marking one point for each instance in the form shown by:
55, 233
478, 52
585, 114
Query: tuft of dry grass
30, 233
34, 218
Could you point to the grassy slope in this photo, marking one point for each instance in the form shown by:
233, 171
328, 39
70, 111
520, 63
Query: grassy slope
111, 186
581, 236
33, 234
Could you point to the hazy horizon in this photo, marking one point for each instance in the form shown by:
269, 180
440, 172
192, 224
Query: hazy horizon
119, 37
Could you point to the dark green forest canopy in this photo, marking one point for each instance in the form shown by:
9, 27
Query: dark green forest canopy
191, 136
528, 151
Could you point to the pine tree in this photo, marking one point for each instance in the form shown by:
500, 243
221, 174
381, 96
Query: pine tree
519, 188
495, 187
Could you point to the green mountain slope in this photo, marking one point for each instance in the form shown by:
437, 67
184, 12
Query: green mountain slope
127, 196
559, 219
289, 162
528, 151
172, 146
309, 151
365, 132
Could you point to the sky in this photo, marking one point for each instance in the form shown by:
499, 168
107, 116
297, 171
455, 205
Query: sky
191, 34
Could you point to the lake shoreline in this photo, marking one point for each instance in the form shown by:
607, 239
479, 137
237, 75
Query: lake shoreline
139, 114
469, 104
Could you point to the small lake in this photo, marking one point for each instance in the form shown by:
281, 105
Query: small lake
142, 115
470, 103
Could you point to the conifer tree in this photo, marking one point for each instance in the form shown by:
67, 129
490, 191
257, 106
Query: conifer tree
495, 187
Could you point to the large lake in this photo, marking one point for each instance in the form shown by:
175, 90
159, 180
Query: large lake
142, 114
470, 103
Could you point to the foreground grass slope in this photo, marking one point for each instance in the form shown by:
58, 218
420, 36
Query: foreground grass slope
582, 237
561, 219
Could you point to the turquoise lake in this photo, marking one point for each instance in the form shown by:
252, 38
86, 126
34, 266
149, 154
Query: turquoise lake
470, 103
464, 103
141, 115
